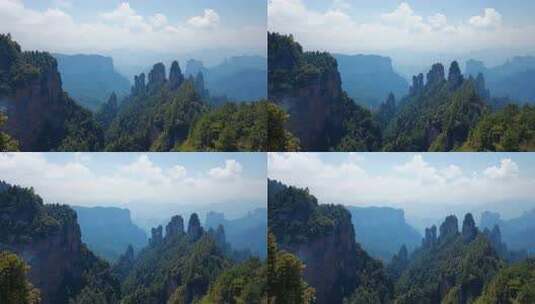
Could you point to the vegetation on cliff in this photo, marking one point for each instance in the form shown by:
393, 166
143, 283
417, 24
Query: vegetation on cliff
14, 285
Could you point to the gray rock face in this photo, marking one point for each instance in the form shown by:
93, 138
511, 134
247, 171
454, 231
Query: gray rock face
157, 236
436, 74
175, 76
417, 84
430, 238
455, 78
156, 77
469, 230
175, 227
139, 84
195, 230
449, 227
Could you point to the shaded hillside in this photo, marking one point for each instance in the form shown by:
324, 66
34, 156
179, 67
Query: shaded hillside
41, 116
382, 231
95, 226
437, 115
91, 79
322, 236
451, 266
368, 79
517, 232
307, 86
47, 237
245, 233
513, 79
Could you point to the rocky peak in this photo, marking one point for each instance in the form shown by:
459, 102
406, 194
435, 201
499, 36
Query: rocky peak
496, 235
129, 254
481, 87
449, 227
139, 84
156, 236
195, 229
175, 76
112, 101
430, 238
417, 84
220, 237
455, 78
436, 74
175, 227
403, 254
469, 230
156, 77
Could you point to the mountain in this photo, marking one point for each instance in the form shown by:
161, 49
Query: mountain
245, 233
368, 79
437, 115
450, 267
95, 225
47, 238
238, 78
323, 238
90, 79
41, 116
517, 232
190, 265
382, 231
307, 85
513, 79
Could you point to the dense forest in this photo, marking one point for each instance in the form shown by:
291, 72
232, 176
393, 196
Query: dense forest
45, 261
445, 112
452, 265
163, 113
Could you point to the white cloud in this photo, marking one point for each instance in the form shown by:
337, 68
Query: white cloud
140, 184
208, 20
402, 28
507, 169
491, 18
415, 185
232, 169
123, 28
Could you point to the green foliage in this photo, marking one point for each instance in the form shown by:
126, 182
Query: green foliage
512, 285
509, 129
279, 139
241, 284
231, 127
14, 286
285, 277
6, 142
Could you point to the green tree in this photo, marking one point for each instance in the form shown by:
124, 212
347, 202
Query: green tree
14, 287
6, 142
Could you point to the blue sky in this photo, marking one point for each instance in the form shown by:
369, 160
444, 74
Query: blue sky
149, 184
423, 184
413, 33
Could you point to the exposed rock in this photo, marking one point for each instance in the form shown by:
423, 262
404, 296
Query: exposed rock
199, 85
430, 238
220, 237
449, 228
469, 230
193, 67
156, 77
417, 84
455, 78
387, 110
435, 75
195, 229
481, 87
139, 85
175, 76
174, 227
156, 236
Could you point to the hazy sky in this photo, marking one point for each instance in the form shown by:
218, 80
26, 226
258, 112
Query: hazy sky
103, 26
424, 185
143, 182
405, 28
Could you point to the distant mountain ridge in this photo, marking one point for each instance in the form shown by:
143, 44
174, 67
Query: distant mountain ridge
91, 79
96, 222
368, 79
517, 232
383, 230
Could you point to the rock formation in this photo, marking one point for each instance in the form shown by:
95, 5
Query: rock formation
195, 229
430, 238
156, 77
455, 77
156, 236
174, 227
175, 76
435, 75
449, 228
469, 230
139, 87
417, 84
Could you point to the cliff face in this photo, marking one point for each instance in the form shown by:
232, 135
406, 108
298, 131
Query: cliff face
40, 115
47, 237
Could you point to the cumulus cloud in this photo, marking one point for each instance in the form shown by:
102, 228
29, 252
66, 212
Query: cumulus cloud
335, 29
209, 19
55, 30
141, 183
491, 18
415, 185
